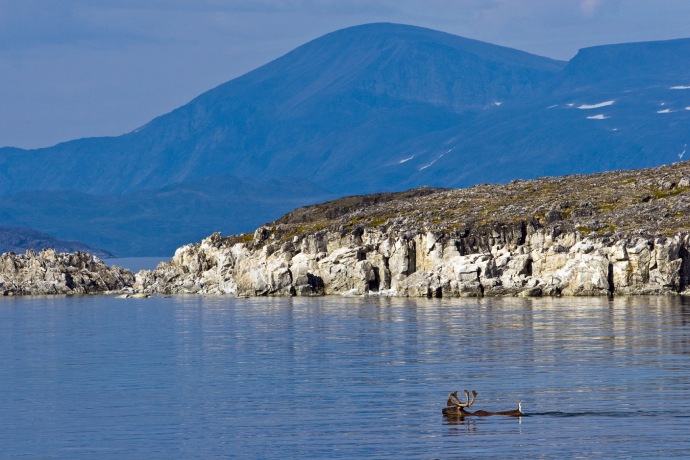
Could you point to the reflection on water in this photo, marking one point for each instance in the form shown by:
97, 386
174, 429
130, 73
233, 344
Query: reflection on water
342, 377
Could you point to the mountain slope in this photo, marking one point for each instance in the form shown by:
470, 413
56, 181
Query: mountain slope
156, 222
316, 112
612, 107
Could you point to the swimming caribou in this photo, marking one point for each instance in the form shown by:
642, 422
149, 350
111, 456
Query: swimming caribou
459, 409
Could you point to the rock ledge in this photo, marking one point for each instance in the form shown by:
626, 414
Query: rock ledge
623, 232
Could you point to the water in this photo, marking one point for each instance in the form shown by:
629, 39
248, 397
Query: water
137, 264
194, 377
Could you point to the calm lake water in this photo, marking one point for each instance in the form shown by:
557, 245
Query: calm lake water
195, 377
137, 263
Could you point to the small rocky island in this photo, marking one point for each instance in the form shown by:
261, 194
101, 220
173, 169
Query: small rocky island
48, 272
621, 232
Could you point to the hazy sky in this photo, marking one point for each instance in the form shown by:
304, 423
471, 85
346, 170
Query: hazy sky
81, 68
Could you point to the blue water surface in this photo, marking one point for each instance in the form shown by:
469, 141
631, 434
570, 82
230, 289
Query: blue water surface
334, 377
136, 264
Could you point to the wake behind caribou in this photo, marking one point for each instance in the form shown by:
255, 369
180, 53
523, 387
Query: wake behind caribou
455, 407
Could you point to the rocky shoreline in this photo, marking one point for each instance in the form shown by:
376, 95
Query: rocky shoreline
48, 273
527, 262
616, 233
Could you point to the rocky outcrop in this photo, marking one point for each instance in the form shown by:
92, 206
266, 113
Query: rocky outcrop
622, 232
540, 261
49, 272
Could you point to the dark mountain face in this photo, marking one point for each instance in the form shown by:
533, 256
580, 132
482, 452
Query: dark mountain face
372, 108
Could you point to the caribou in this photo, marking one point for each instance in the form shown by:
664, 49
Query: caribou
457, 408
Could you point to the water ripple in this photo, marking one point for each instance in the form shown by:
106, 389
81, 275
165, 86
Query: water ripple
194, 377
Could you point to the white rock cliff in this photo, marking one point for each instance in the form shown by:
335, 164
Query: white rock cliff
525, 260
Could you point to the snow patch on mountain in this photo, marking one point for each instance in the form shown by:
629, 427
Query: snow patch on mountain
596, 106
427, 165
437, 158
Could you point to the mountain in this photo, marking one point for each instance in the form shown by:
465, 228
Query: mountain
315, 112
611, 107
627, 65
378, 107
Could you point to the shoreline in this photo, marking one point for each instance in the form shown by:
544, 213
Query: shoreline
606, 234
428, 265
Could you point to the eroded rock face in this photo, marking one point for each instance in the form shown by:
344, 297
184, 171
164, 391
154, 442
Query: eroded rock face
49, 272
596, 234
525, 261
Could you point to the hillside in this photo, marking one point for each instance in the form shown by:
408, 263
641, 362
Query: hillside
651, 202
156, 222
612, 107
616, 233
311, 113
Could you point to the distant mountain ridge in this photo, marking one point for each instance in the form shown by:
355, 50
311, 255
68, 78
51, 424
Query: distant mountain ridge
378, 107
19, 240
295, 113
636, 64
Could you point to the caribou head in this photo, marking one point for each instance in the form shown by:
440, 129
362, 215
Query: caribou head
456, 407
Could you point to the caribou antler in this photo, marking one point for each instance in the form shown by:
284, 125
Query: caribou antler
454, 400
474, 398
467, 398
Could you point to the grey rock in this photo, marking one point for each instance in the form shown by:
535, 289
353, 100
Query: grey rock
622, 232
50, 272
428, 266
